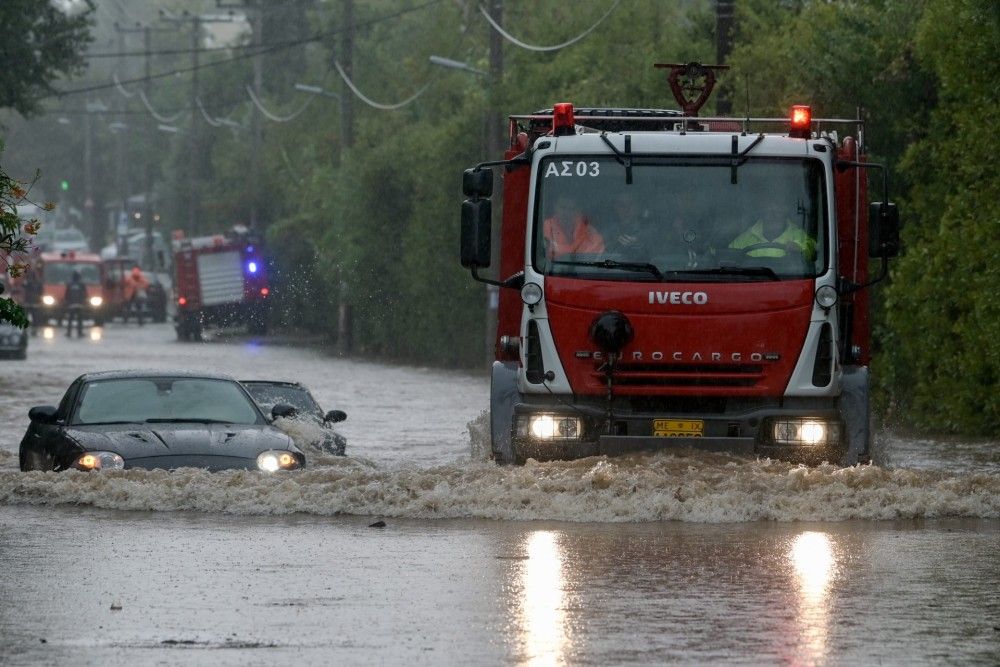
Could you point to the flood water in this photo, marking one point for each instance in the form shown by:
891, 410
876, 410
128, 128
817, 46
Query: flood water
644, 559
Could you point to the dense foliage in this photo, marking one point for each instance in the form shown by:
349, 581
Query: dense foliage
15, 242
40, 42
367, 217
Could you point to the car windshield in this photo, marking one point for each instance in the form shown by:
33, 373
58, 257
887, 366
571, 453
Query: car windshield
61, 272
164, 399
268, 394
680, 219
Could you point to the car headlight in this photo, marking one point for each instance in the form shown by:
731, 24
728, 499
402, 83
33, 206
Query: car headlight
99, 461
809, 432
49, 300
273, 460
96, 301
544, 426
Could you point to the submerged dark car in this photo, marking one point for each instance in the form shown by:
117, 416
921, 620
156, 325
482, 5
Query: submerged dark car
153, 419
13, 342
292, 400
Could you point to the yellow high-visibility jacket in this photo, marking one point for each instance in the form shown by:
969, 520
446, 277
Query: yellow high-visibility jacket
791, 234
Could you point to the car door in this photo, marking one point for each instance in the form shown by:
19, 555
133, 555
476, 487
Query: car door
55, 443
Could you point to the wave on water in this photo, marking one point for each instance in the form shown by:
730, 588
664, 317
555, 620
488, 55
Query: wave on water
666, 486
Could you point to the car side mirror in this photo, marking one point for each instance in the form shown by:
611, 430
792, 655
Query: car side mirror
282, 410
477, 220
334, 416
883, 229
43, 414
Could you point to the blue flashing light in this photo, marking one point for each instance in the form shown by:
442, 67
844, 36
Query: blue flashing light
252, 267
249, 248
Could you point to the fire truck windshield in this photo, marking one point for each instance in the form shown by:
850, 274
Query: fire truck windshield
61, 272
681, 219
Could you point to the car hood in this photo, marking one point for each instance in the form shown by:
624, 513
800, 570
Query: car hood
136, 441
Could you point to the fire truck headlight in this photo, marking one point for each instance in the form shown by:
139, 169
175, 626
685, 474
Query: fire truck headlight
96, 301
252, 267
531, 293
49, 300
809, 432
826, 296
546, 426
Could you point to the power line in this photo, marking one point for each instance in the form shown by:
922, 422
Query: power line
244, 56
372, 103
291, 43
530, 47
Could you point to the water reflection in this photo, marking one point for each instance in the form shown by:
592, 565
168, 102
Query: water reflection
814, 563
96, 333
542, 603
48, 333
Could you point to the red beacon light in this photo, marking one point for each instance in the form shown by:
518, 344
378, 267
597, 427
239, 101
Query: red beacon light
801, 121
563, 122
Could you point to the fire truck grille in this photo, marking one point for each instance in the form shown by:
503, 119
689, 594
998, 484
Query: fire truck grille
686, 375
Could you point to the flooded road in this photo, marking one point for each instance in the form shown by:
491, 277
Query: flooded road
644, 559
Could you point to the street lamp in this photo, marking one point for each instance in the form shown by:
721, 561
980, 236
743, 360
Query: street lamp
455, 64
315, 90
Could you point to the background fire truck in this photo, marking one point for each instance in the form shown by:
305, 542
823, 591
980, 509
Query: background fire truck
219, 280
56, 269
706, 333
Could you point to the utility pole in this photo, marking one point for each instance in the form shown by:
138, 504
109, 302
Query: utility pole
347, 62
121, 155
88, 182
495, 145
254, 10
724, 11
257, 25
194, 160
344, 320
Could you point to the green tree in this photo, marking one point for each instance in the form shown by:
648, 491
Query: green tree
40, 43
942, 362
15, 242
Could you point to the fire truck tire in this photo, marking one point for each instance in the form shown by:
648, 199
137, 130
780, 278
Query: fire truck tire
503, 396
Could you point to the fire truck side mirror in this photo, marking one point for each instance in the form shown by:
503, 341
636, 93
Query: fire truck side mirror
477, 183
883, 229
477, 216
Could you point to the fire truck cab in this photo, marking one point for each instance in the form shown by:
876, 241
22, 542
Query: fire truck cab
57, 268
670, 280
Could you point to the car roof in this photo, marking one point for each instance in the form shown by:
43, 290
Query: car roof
139, 373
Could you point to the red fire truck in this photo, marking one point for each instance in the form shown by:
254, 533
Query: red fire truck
220, 280
57, 268
673, 280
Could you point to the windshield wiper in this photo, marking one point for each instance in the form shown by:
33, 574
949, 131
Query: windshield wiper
614, 264
186, 420
105, 423
762, 271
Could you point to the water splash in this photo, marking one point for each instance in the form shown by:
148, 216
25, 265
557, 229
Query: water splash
639, 488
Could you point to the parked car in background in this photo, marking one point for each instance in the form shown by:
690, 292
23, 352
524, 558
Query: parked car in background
275, 398
13, 342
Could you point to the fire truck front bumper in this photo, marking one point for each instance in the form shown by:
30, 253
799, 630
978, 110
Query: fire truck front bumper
788, 435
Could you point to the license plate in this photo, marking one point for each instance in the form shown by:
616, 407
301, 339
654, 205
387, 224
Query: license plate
678, 428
